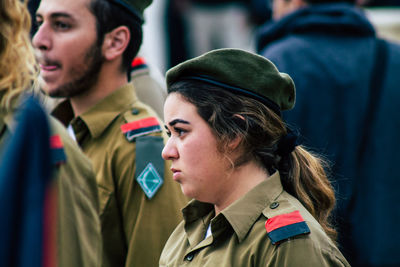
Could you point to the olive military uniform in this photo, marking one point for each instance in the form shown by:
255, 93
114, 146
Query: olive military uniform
150, 88
117, 134
78, 223
266, 227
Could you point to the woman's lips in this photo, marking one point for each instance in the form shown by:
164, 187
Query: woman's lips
176, 173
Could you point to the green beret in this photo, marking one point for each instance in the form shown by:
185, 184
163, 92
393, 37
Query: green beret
136, 7
240, 72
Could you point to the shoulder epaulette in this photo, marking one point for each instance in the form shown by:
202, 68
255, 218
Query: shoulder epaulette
284, 226
57, 150
140, 127
138, 63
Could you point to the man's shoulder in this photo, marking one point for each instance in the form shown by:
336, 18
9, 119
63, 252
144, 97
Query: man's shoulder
120, 137
139, 120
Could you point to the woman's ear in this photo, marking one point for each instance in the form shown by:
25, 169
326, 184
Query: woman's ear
116, 42
237, 140
234, 144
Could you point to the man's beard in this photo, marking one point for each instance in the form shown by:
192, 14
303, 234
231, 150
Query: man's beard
86, 80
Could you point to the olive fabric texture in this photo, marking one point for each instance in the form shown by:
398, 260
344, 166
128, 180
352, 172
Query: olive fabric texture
130, 203
240, 233
76, 223
239, 71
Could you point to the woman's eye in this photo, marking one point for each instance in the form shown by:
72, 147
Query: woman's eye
175, 131
179, 131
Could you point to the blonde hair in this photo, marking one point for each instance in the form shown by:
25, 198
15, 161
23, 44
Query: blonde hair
18, 68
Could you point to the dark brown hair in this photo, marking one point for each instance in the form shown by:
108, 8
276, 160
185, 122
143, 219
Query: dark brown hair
260, 130
110, 16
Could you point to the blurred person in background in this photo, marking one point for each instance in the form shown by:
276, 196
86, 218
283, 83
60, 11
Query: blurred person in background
385, 16
149, 84
74, 222
85, 50
216, 24
194, 27
347, 97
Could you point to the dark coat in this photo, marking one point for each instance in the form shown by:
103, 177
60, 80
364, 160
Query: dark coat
329, 50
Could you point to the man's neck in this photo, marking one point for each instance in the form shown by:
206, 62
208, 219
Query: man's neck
110, 79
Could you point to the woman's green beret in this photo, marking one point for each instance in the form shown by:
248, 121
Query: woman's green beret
239, 71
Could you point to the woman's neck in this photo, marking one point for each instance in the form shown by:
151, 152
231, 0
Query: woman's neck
241, 181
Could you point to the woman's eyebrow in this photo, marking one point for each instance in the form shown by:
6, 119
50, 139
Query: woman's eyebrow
173, 122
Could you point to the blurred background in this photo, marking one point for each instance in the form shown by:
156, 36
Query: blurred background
167, 38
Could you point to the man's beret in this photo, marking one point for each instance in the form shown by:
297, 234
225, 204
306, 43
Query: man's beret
241, 72
136, 7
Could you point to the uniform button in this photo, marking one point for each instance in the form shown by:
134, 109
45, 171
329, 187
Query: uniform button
135, 111
274, 205
189, 257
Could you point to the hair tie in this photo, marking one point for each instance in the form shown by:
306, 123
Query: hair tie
287, 143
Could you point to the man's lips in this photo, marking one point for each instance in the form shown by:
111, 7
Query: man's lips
49, 70
47, 67
47, 64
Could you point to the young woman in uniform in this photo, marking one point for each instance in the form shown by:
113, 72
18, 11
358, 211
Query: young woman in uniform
259, 198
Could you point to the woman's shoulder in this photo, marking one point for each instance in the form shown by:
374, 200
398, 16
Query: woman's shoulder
293, 231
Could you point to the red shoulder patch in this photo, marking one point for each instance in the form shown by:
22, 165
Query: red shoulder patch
57, 150
284, 226
283, 220
137, 61
140, 127
56, 142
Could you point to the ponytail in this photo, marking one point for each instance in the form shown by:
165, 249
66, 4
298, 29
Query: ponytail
303, 176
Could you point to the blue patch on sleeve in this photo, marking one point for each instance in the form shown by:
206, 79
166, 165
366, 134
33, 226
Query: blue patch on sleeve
288, 231
149, 180
58, 156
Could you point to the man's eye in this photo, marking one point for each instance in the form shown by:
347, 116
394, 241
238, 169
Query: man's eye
38, 23
61, 25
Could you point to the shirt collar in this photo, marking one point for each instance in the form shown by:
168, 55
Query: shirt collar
243, 213
99, 116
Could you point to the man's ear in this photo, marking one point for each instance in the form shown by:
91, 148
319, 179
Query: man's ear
115, 42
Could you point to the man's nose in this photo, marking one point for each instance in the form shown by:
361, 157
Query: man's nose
42, 40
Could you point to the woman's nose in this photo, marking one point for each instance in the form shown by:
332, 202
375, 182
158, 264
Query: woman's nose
169, 151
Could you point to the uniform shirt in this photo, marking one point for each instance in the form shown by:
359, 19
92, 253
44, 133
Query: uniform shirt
79, 230
134, 228
78, 224
239, 236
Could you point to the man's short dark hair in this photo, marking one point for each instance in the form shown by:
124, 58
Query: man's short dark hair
110, 16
